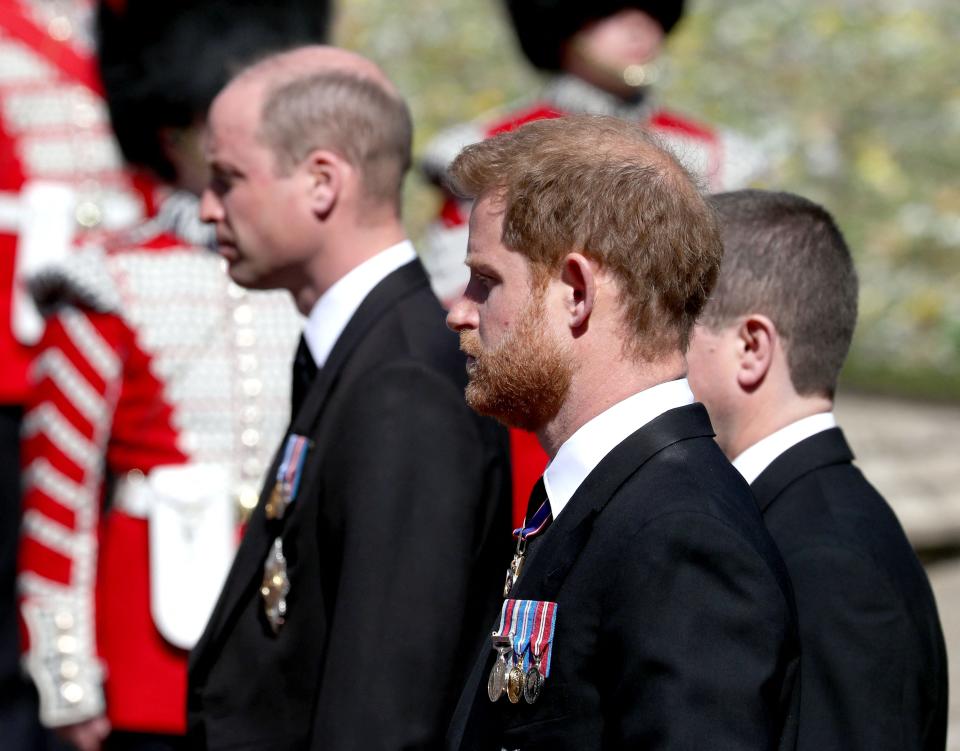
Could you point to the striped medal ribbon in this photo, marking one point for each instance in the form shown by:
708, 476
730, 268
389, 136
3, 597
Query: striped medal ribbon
526, 631
288, 476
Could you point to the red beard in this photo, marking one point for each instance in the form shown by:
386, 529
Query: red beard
524, 379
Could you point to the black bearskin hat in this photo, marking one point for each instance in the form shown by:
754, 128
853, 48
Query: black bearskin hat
162, 62
543, 26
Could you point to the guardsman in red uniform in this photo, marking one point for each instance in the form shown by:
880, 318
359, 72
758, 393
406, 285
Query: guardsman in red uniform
158, 391
603, 57
61, 177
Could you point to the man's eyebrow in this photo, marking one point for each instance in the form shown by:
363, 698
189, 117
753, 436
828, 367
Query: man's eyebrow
481, 267
222, 168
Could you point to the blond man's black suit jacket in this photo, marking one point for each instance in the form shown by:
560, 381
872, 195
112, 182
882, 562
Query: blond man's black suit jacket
675, 626
873, 658
394, 546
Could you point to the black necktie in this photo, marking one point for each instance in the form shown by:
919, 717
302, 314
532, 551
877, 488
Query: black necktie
304, 371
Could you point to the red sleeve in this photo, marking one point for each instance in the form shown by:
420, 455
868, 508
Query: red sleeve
75, 383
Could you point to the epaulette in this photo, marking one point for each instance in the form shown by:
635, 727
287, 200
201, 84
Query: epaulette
444, 147
82, 278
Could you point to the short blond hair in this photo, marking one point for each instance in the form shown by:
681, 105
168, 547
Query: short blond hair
350, 114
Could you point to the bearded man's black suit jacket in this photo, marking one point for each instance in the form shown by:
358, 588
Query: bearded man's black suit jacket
675, 626
874, 664
394, 547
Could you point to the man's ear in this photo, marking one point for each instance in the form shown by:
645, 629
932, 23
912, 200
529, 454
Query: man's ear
325, 174
757, 340
579, 275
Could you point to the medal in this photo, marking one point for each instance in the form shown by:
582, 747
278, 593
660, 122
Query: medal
502, 641
497, 682
513, 573
517, 677
288, 477
275, 505
275, 586
526, 629
534, 682
515, 681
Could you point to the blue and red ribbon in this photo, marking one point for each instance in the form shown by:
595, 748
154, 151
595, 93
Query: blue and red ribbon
291, 467
541, 518
530, 624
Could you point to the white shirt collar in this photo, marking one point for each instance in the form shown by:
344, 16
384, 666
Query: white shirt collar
333, 311
761, 455
583, 451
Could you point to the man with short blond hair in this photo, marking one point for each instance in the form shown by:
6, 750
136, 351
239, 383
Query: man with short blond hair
765, 360
646, 606
367, 573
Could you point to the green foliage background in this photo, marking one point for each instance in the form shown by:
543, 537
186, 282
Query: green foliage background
857, 101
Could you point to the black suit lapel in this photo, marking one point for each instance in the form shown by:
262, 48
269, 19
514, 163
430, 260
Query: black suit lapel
402, 282
247, 567
554, 553
819, 450
561, 544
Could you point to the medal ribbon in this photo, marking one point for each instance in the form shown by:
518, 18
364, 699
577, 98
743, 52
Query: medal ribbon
541, 641
530, 625
291, 468
526, 617
541, 518
509, 619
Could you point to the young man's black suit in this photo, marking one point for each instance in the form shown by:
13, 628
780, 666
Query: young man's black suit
394, 548
675, 626
874, 664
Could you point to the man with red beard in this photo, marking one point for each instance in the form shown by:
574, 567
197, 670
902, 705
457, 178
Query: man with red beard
646, 606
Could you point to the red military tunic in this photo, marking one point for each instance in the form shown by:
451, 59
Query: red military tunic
54, 131
152, 361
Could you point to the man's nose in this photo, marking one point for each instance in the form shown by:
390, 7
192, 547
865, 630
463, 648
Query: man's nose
211, 210
462, 315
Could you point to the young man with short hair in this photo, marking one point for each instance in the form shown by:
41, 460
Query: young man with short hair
764, 359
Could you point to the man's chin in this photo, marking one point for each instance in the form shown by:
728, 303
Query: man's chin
509, 415
241, 274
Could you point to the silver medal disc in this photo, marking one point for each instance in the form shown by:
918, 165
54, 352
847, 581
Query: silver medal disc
496, 683
532, 686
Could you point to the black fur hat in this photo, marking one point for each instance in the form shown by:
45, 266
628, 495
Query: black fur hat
163, 61
543, 26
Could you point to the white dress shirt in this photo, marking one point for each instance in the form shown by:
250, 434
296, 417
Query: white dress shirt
333, 311
761, 455
583, 451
